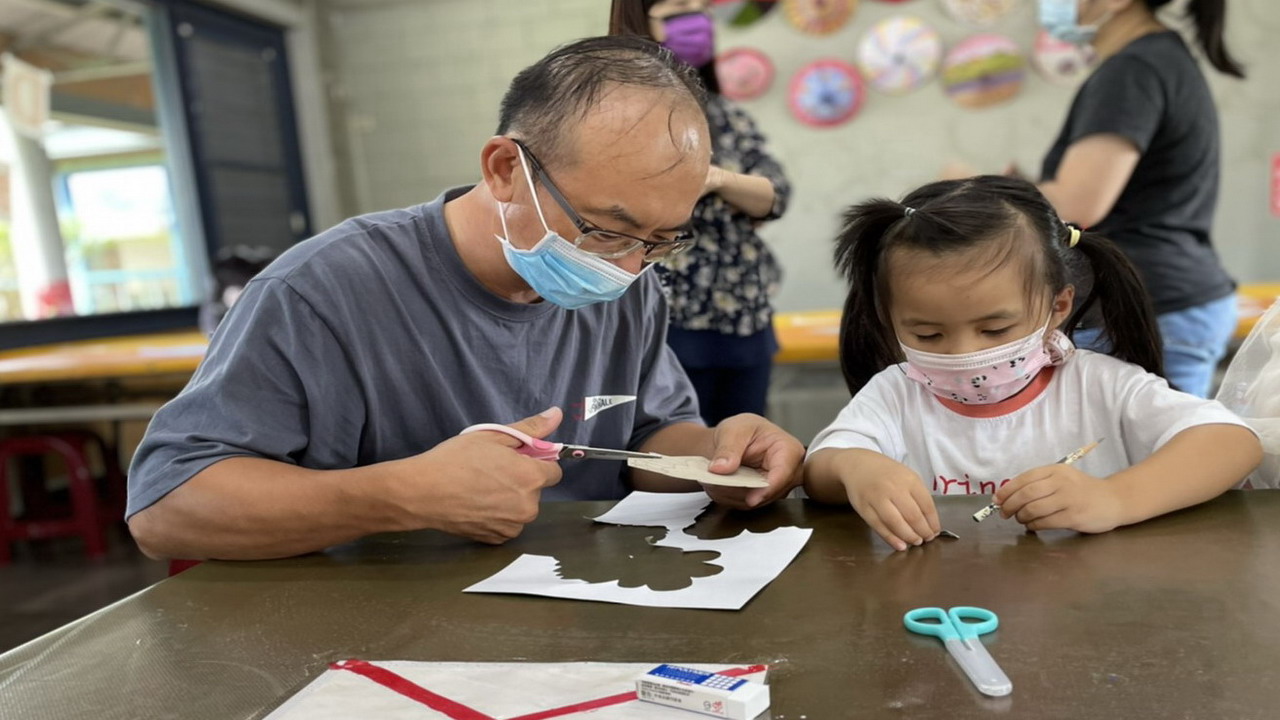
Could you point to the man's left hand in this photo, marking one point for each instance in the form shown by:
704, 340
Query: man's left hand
752, 441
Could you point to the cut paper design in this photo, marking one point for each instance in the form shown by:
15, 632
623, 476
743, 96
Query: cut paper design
979, 13
402, 690
697, 468
819, 17
720, 525
1060, 62
899, 54
749, 560
673, 511
744, 73
826, 93
983, 70
679, 568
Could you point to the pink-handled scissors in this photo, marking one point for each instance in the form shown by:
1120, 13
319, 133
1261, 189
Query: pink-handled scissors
539, 449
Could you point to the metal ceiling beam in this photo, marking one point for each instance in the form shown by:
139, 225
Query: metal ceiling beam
86, 12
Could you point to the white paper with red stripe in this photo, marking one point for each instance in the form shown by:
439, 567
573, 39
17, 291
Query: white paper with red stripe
393, 690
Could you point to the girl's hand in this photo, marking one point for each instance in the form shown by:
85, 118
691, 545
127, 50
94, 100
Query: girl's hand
896, 505
1060, 497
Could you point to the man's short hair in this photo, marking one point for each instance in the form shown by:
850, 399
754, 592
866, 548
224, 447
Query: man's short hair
566, 84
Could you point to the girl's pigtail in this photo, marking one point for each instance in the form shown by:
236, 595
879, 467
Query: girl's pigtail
867, 342
1128, 319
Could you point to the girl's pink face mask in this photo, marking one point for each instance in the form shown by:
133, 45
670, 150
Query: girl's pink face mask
988, 376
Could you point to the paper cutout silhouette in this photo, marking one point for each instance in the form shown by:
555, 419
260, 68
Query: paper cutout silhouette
749, 560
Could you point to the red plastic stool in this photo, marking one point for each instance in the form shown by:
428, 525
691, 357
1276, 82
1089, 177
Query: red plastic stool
89, 513
181, 566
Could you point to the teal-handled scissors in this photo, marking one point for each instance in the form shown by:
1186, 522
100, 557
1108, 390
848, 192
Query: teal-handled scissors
961, 638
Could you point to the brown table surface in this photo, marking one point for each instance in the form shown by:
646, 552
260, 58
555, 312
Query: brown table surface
1178, 617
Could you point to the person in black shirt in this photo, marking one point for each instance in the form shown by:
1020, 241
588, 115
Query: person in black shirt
1138, 161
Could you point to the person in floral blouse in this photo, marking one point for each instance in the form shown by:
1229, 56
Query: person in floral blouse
721, 289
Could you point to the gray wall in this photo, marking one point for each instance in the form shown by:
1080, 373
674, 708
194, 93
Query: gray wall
417, 85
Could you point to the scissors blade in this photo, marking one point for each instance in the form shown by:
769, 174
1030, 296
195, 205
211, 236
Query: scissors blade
582, 451
978, 664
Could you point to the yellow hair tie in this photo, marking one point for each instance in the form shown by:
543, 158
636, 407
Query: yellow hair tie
1075, 237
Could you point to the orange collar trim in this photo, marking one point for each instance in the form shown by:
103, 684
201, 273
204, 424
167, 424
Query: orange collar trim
1004, 407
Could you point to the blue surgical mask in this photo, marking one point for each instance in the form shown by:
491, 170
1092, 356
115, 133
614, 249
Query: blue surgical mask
1061, 18
557, 270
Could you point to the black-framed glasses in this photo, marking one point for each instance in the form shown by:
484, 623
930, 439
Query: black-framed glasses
608, 244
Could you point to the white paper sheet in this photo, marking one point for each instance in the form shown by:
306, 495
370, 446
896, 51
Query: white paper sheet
673, 511
750, 560
493, 690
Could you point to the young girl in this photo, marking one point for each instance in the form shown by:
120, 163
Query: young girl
967, 281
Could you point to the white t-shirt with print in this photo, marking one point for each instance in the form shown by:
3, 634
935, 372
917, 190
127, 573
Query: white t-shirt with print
1092, 396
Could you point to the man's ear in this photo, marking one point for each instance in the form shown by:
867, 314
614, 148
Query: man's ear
499, 165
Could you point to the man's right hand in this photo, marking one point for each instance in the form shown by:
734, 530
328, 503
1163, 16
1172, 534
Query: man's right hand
481, 487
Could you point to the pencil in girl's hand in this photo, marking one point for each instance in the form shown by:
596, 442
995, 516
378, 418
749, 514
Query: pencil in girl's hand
985, 512
1080, 453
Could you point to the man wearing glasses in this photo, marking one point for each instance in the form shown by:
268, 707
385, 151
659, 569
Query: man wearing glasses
330, 403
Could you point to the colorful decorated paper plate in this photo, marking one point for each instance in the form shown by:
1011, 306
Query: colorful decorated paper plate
744, 73
1059, 62
979, 13
819, 17
826, 92
899, 54
741, 13
983, 70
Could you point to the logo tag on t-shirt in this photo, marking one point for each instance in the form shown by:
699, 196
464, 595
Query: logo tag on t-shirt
593, 405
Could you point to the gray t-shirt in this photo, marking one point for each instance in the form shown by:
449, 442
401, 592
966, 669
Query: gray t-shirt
372, 342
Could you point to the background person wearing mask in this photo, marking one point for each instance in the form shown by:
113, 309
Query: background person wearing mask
721, 289
1138, 161
330, 403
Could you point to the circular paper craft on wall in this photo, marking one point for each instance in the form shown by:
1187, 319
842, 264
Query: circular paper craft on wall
899, 54
825, 93
741, 13
744, 73
819, 17
978, 13
1061, 63
983, 70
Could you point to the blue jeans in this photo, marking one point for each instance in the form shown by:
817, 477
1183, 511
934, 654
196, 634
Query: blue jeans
1195, 340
